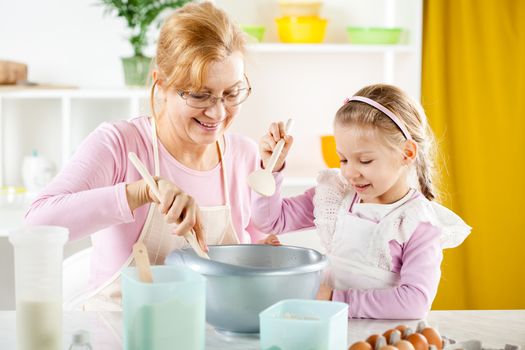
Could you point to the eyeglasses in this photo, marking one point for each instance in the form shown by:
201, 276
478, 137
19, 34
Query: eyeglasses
206, 100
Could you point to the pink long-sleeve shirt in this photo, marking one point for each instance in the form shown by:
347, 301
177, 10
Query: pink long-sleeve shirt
88, 196
417, 261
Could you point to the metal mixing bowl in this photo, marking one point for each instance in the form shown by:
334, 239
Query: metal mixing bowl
242, 280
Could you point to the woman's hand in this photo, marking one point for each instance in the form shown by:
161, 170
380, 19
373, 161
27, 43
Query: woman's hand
268, 142
271, 239
177, 206
325, 292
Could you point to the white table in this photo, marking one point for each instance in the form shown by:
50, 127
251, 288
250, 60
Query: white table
494, 328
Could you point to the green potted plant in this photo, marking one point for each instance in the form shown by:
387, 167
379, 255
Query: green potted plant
139, 16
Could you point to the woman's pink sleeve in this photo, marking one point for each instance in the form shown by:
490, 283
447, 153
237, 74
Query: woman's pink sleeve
89, 193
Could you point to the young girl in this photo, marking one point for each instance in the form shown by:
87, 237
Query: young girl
382, 232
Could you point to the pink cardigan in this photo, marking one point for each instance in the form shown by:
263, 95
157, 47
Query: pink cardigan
88, 195
417, 261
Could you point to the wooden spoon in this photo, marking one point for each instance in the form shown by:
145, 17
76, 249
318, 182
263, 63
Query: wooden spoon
261, 180
190, 236
140, 253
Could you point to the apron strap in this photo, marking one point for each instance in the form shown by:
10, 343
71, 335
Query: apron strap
154, 141
224, 172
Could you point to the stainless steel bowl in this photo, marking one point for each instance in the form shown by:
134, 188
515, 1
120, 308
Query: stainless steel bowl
242, 280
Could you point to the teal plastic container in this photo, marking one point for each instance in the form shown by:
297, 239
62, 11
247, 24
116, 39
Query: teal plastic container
166, 314
304, 324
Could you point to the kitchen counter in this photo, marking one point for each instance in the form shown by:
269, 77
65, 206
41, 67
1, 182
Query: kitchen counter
494, 328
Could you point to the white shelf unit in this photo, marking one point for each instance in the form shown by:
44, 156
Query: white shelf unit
304, 81
330, 48
55, 121
310, 81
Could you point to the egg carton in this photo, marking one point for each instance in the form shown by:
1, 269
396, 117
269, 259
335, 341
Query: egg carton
473, 344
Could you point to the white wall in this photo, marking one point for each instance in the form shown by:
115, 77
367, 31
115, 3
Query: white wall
74, 43
64, 42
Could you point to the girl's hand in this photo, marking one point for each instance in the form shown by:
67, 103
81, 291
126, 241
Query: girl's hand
271, 239
325, 292
268, 142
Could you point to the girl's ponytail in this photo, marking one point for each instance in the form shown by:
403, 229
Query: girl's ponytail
424, 171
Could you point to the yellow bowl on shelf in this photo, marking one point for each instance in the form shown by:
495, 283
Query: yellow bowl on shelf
302, 29
300, 8
328, 149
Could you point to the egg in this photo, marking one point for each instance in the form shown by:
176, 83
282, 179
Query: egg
433, 337
360, 345
404, 345
372, 339
392, 336
401, 328
388, 347
419, 341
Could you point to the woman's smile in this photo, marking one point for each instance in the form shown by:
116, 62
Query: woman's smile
208, 126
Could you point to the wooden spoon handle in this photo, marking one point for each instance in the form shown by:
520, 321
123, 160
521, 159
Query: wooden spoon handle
189, 236
279, 147
140, 253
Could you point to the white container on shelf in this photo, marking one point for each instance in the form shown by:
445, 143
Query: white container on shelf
37, 172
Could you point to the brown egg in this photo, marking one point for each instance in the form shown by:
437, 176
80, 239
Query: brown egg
392, 336
419, 341
404, 345
433, 337
402, 328
388, 347
360, 345
372, 340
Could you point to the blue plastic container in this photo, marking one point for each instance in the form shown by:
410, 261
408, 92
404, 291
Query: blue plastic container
304, 324
166, 314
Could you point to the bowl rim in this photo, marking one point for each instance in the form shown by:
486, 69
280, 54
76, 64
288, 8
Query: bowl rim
217, 268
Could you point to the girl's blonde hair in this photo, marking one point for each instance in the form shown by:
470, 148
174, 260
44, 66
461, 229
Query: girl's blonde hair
192, 38
409, 112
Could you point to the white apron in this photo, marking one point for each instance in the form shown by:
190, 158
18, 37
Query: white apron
350, 266
157, 235
358, 247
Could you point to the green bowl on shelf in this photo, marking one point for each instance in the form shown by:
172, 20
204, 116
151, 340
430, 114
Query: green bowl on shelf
374, 35
254, 31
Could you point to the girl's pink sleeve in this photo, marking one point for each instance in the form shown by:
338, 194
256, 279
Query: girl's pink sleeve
420, 274
89, 193
276, 214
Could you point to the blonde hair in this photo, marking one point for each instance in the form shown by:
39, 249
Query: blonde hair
409, 112
192, 38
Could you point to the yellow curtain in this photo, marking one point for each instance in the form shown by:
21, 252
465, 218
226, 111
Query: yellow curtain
473, 89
